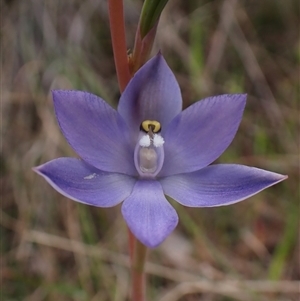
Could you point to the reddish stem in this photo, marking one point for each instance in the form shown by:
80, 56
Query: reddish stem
117, 30
137, 272
131, 241
137, 250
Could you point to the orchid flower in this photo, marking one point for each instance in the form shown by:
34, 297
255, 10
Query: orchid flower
149, 148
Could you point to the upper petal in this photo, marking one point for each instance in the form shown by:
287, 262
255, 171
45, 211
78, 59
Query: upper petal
83, 183
201, 133
148, 214
94, 130
218, 185
153, 93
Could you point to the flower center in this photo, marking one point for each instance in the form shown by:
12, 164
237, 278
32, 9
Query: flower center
149, 151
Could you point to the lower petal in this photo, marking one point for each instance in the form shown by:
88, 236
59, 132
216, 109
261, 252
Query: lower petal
83, 183
218, 185
148, 214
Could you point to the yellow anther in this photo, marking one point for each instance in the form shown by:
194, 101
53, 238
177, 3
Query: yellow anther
150, 126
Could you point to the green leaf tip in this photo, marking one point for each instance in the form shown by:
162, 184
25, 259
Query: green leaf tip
150, 14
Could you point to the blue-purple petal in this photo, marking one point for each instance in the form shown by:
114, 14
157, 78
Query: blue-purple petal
201, 133
148, 214
152, 94
95, 131
218, 185
83, 183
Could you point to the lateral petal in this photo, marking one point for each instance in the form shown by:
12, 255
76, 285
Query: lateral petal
201, 133
83, 183
95, 131
218, 185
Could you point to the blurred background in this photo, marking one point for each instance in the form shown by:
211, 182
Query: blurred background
55, 249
